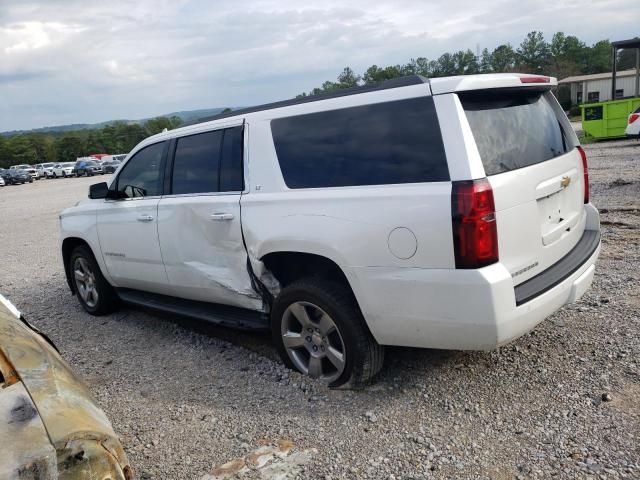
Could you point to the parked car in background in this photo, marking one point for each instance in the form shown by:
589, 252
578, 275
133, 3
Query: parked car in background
462, 205
27, 168
51, 425
88, 168
633, 124
119, 157
63, 170
6, 176
19, 175
110, 166
45, 169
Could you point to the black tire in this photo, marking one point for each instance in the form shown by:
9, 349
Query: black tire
363, 356
31, 180
107, 300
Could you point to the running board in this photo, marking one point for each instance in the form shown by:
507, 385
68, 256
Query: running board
223, 315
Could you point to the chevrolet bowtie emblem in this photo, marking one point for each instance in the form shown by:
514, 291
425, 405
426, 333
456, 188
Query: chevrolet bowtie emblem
564, 183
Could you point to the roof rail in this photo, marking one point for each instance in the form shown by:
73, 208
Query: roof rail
385, 85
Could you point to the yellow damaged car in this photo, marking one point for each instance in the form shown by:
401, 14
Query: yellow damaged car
50, 426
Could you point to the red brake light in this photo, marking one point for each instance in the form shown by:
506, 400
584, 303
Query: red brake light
475, 235
633, 117
537, 79
585, 171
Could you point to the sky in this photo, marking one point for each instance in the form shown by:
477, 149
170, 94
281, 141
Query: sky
86, 61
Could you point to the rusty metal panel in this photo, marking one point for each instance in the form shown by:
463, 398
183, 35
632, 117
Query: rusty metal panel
26, 450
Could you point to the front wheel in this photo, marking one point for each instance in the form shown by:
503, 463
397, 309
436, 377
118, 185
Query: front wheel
93, 291
319, 330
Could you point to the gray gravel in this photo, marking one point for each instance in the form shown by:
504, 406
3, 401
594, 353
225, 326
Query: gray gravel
562, 401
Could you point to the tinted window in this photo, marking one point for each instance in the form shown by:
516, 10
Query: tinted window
231, 178
208, 162
385, 143
140, 177
513, 130
196, 163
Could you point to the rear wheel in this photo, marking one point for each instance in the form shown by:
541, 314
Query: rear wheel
93, 291
319, 330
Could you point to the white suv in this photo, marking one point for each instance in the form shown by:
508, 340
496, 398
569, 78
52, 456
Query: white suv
446, 213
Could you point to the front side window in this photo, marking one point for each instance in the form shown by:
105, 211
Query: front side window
385, 143
141, 176
208, 162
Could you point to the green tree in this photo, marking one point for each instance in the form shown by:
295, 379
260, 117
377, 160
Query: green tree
533, 53
503, 59
599, 57
348, 78
70, 147
158, 124
465, 63
485, 64
376, 74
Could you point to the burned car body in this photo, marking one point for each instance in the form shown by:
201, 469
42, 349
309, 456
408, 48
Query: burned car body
50, 425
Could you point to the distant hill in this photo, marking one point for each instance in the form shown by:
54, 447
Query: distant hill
185, 115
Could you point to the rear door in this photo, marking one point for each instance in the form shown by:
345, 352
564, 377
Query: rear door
199, 220
128, 227
530, 157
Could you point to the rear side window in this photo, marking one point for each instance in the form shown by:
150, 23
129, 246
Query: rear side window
385, 143
208, 162
231, 172
197, 163
513, 129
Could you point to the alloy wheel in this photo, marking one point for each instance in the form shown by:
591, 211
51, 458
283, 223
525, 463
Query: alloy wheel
85, 281
313, 342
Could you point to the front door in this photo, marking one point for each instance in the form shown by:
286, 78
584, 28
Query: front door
199, 221
128, 226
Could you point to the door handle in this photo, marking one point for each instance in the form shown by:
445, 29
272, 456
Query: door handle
145, 218
219, 217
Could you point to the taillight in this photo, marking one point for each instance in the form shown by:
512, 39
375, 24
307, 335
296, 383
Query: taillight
585, 172
633, 117
475, 235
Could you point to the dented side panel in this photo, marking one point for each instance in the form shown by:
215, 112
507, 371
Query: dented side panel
203, 250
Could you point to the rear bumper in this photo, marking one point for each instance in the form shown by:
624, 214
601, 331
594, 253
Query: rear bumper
464, 309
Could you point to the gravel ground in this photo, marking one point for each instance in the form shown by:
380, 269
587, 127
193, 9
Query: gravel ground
562, 401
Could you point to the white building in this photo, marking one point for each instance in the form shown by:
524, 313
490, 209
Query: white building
598, 86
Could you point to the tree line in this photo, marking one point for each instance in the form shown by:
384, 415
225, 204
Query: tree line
57, 147
563, 56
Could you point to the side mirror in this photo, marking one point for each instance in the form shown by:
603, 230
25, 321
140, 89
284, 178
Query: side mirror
98, 190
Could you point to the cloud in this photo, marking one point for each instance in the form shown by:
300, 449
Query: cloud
69, 61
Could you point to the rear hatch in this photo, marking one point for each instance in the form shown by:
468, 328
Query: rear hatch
535, 172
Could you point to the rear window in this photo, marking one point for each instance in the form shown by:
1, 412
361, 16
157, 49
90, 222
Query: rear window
513, 129
384, 143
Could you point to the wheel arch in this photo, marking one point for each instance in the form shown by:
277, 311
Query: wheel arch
68, 245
